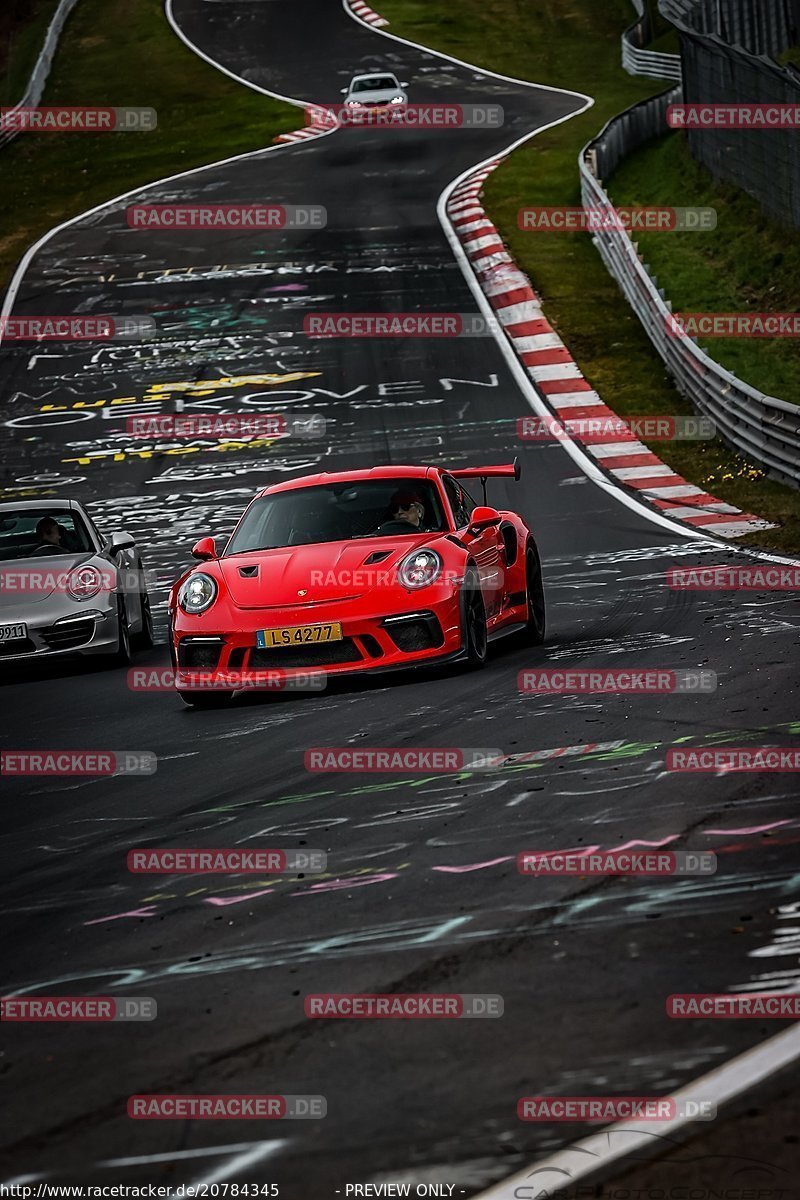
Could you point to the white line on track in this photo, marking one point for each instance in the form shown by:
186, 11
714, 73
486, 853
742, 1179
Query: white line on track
727, 1081
176, 1155
596, 1153
583, 460
515, 366
19, 274
736, 1076
241, 1162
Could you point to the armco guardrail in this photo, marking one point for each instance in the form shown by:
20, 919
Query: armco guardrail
637, 59
35, 89
767, 430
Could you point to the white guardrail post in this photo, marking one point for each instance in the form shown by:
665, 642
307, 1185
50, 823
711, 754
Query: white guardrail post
639, 61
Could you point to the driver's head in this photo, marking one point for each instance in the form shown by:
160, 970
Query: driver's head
47, 530
407, 506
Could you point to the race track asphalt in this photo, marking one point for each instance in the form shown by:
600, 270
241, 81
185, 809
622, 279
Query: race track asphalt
423, 893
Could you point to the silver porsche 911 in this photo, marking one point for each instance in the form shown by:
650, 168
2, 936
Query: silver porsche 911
67, 589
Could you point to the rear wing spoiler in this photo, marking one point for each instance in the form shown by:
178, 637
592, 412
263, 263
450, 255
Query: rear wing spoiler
508, 470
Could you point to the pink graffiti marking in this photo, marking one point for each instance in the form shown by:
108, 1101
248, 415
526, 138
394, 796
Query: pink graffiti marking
749, 829
336, 885
221, 901
135, 912
493, 862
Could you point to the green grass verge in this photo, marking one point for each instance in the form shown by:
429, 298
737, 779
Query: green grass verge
577, 45
792, 55
747, 262
123, 52
667, 42
22, 32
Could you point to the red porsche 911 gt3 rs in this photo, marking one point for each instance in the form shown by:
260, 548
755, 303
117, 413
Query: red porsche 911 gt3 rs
356, 571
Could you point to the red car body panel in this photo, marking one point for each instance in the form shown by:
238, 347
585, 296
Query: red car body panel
264, 589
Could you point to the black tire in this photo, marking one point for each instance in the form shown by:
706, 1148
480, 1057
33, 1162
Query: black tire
144, 639
121, 657
476, 638
536, 625
216, 699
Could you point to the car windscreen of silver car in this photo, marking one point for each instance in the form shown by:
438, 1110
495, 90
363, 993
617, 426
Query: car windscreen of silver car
376, 83
24, 533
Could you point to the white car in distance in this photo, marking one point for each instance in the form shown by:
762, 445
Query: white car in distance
375, 90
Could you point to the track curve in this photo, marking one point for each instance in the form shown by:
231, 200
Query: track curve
425, 895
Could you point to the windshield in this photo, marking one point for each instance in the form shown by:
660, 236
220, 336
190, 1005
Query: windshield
375, 83
33, 533
339, 512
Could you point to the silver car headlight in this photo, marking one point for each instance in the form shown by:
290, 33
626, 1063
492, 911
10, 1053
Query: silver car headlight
397, 100
84, 583
197, 593
419, 569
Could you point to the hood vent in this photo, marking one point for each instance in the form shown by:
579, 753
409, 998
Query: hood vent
377, 556
249, 572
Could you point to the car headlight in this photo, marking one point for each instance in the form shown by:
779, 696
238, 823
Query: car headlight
197, 593
84, 583
397, 100
354, 104
419, 569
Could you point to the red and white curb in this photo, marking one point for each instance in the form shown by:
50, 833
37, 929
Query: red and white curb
365, 13
320, 121
558, 378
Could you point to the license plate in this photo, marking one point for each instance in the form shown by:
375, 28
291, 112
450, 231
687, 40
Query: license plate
8, 633
298, 635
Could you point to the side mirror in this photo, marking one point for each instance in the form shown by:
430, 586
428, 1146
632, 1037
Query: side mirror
405, 84
344, 91
484, 517
205, 549
120, 541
